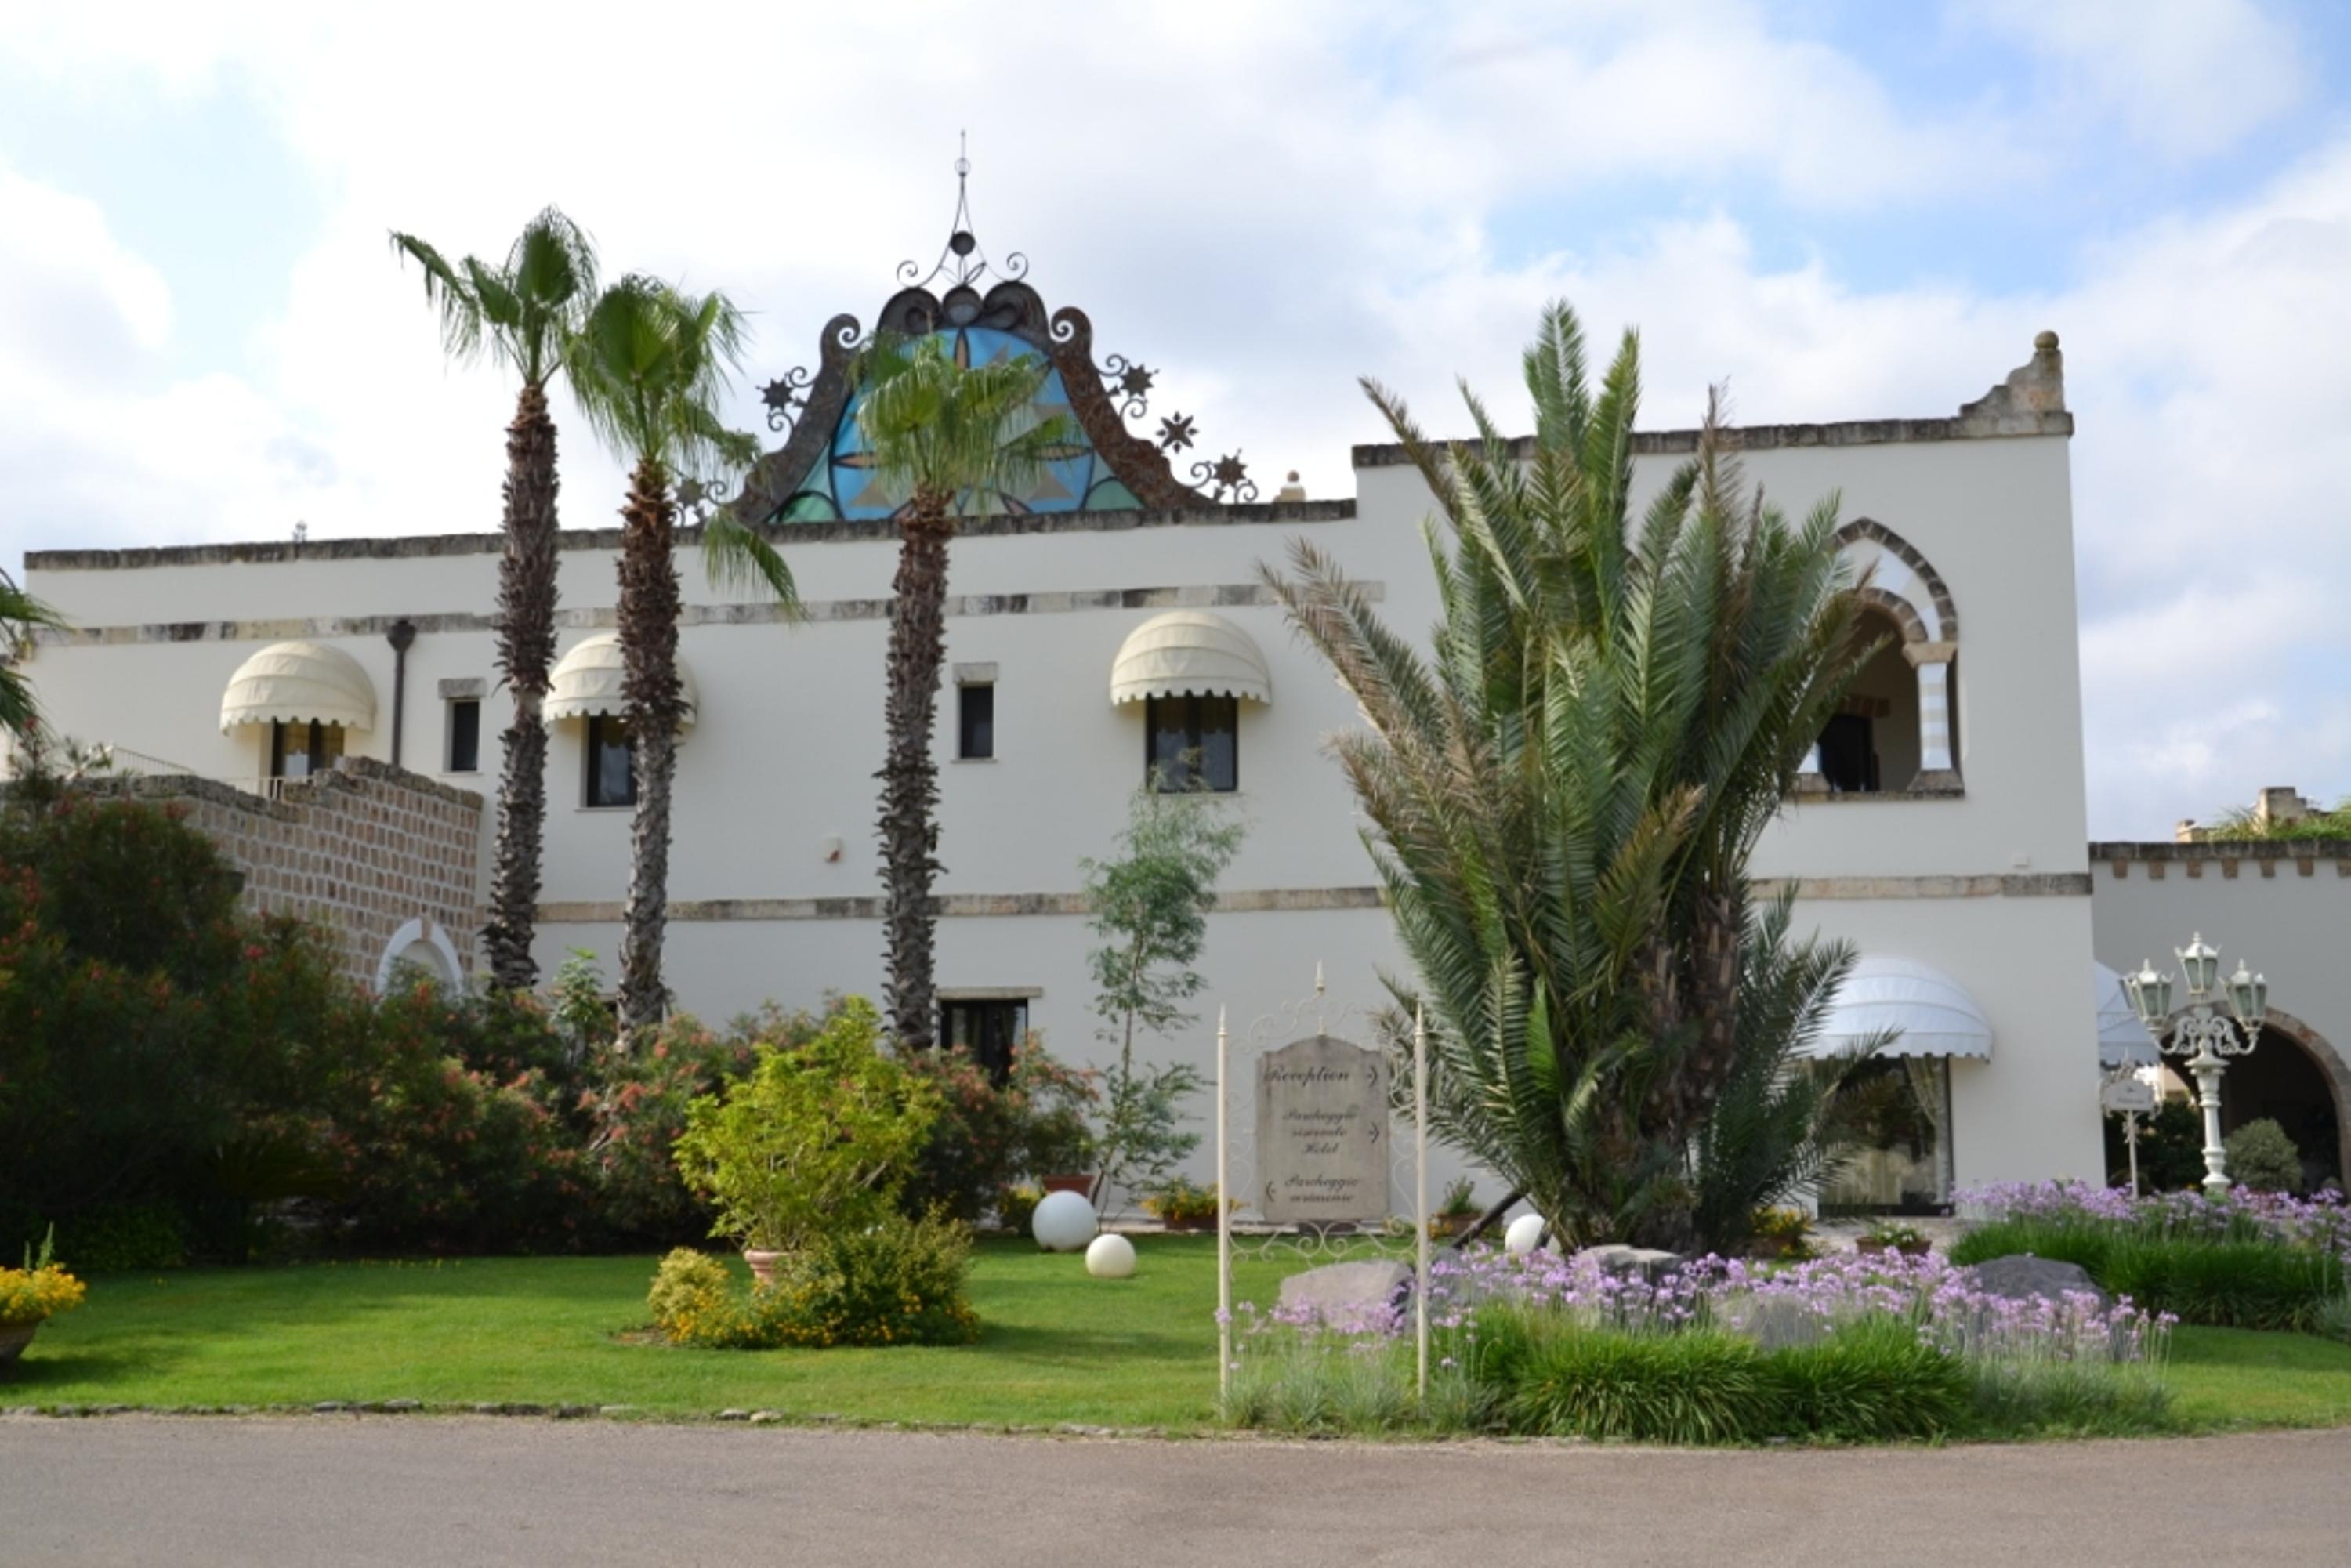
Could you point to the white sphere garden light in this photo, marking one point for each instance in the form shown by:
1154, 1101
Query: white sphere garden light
1063, 1222
1524, 1235
2202, 1033
1111, 1257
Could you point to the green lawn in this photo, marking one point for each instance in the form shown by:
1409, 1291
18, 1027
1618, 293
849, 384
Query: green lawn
1057, 1347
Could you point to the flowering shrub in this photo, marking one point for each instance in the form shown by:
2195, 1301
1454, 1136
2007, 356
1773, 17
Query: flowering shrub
1180, 1202
1721, 1349
37, 1291
989, 1135
896, 1281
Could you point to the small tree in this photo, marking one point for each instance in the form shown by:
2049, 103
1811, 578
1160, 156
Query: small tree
2263, 1157
815, 1139
1151, 902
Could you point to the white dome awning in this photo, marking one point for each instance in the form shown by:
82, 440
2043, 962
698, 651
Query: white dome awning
1933, 1011
299, 683
586, 681
1190, 653
2123, 1040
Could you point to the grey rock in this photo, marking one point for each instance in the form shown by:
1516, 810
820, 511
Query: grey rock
1649, 1262
2021, 1276
329, 1407
573, 1412
1338, 1290
734, 1415
401, 1405
766, 1417
615, 1409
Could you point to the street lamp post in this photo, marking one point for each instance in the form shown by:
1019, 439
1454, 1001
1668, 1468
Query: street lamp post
2202, 1033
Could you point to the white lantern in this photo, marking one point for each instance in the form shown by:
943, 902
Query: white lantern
1111, 1257
1524, 1235
1065, 1222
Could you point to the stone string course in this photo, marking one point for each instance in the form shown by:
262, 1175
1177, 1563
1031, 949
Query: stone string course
362, 850
1058, 602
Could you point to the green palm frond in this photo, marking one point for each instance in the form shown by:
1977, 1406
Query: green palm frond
1564, 786
965, 433
21, 615
520, 312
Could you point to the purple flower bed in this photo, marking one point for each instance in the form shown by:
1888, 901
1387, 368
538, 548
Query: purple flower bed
2322, 1222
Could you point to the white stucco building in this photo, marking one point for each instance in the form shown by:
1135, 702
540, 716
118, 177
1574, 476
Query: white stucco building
1946, 839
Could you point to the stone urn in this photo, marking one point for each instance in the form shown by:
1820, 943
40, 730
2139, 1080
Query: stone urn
763, 1265
14, 1338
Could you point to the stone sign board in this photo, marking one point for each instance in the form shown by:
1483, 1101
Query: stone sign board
1323, 1134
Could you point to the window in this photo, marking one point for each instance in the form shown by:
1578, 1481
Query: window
299, 750
465, 736
990, 1029
1193, 743
611, 761
975, 721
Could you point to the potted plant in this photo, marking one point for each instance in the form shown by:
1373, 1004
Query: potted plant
1457, 1212
1782, 1233
1885, 1236
814, 1140
1181, 1206
31, 1296
1058, 1148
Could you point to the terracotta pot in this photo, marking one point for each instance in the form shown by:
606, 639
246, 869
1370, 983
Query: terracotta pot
14, 1338
763, 1265
1080, 1184
1445, 1225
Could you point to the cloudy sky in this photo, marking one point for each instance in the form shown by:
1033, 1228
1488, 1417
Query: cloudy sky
1845, 209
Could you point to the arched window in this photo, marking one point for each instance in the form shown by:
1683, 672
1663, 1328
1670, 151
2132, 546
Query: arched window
1894, 733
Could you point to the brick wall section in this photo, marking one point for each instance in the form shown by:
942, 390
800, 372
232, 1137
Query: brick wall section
362, 850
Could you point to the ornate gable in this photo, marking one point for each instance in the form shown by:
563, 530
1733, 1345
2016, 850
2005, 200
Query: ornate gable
821, 473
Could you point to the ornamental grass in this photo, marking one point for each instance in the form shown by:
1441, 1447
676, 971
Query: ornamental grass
1844, 1349
2248, 1259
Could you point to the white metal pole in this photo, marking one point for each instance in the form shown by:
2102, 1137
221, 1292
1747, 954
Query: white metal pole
1224, 1228
1420, 1175
2130, 1140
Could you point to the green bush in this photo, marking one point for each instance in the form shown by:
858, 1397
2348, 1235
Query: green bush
817, 1141
122, 1239
2263, 1157
1697, 1386
146, 1023
895, 1282
2220, 1282
1871, 1380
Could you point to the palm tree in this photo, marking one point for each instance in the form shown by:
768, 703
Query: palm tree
648, 365
950, 438
1564, 796
21, 615
519, 314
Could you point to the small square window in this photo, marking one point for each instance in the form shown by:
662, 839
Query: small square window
989, 1028
1192, 743
975, 721
301, 750
465, 736
611, 761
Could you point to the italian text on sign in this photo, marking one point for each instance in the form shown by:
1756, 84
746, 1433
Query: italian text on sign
1323, 1134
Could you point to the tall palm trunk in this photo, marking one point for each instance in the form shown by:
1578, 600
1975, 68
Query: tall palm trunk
910, 778
648, 619
526, 653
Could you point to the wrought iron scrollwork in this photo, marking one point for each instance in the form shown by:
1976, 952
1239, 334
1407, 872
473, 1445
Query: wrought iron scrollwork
1175, 432
1125, 379
1227, 479
785, 396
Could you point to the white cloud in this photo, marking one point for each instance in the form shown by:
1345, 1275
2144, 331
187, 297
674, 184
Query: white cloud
1261, 201
2188, 77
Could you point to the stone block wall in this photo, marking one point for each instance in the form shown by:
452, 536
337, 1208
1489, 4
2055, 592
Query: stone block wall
362, 850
